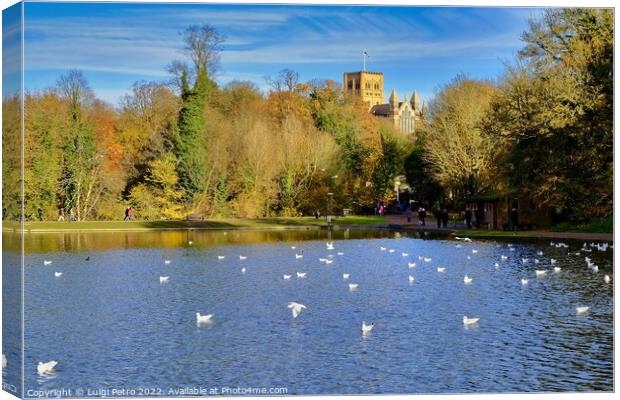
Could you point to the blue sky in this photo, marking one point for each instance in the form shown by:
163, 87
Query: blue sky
416, 48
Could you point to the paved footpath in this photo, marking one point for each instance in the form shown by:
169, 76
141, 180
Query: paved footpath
431, 224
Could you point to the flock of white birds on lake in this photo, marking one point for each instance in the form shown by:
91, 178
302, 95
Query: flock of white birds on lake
46, 368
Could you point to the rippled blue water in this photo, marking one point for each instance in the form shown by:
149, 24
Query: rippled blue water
111, 324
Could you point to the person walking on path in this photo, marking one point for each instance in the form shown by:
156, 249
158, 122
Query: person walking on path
468, 218
61, 215
514, 218
126, 214
422, 216
409, 214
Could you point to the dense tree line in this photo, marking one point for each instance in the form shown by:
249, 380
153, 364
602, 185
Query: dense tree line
544, 129
189, 146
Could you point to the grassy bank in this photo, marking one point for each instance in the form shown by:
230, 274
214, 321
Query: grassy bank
260, 223
600, 225
492, 234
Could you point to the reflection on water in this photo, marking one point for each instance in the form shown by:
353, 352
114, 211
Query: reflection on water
97, 241
110, 323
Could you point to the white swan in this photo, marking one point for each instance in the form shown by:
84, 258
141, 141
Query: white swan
221, 257
441, 269
496, 265
330, 245
346, 276
243, 257
582, 310
366, 328
411, 279
296, 308
166, 262
322, 260
243, 270
298, 256
470, 321
474, 251
293, 247
553, 261
404, 254
340, 253
524, 260
557, 269
329, 261
595, 268
301, 274
504, 258
201, 319
47, 262
607, 279
540, 253
383, 248
164, 279
57, 274
411, 265
541, 272
467, 280
353, 286
286, 277
427, 259
524, 281
46, 368
536, 261
391, 250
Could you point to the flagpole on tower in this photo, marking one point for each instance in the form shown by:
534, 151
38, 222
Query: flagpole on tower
364, 56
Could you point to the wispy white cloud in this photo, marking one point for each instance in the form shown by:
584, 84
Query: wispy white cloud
141, 42
347, 49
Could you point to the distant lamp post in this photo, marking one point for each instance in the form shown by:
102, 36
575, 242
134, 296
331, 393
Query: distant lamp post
397, 190
328, 213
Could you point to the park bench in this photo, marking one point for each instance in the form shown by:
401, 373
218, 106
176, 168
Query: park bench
196, 217
520, 227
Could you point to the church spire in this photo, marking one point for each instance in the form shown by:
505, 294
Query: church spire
394, 99
415, 101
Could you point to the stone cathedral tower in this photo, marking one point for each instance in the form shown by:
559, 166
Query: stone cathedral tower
367, 85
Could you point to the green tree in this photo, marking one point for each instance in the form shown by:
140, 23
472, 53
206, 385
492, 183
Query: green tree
420, 177
203, 45
554, 113
390, 163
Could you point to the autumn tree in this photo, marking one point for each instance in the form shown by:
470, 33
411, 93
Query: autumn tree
159, 197
554, 113
79, 161
460, 154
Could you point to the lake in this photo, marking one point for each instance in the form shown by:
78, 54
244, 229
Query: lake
111, 324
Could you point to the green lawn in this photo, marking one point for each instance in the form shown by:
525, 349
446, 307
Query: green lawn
271, 223
491, 234
601, 225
